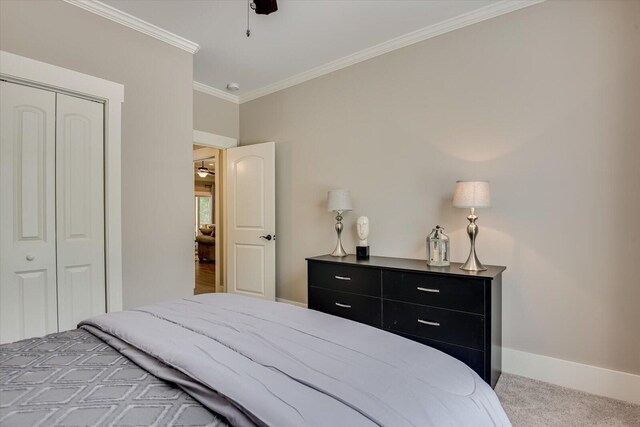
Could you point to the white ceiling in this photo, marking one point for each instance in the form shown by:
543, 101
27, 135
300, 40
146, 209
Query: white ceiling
300, 36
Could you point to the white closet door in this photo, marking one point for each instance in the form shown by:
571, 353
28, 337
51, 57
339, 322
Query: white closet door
80, 210
27, 212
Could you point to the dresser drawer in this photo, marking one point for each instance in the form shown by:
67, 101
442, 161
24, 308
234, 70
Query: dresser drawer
448, 326
472, 358
437, 291
359, 308
344, 278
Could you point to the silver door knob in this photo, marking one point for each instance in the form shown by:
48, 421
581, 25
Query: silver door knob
30, 257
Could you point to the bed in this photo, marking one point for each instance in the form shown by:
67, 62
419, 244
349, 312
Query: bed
221, 359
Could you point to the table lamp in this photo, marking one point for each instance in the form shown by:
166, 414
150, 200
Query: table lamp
472, 194
339, 201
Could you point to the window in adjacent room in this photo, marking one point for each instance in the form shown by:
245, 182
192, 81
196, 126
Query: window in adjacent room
203, 211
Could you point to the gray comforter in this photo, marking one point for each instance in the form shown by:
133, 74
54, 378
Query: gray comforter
265, 363
74, 379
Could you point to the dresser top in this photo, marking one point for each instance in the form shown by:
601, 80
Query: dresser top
418, 265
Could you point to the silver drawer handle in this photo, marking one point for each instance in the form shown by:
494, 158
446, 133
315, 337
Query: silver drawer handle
435, 291
426, 322
342, 278
343, 305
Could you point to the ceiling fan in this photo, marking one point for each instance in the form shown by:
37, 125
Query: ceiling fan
203, 171
260, 7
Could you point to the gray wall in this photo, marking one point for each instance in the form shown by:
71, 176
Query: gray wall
215, 115
545, 103
157, 126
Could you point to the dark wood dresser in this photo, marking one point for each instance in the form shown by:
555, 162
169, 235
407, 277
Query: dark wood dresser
452, 310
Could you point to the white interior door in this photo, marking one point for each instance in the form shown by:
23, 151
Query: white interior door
251, 220
27, 212
80, 210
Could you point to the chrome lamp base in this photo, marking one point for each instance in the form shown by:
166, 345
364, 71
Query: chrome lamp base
339, 250
472, 263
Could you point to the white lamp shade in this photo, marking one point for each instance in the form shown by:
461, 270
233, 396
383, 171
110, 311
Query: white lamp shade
472, 194
338, 200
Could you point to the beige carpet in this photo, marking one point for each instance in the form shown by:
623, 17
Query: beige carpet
531, 403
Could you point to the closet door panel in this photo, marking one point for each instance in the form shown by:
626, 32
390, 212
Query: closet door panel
35, 297
80, 210
27, 212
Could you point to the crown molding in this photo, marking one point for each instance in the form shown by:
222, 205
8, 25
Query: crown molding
464, 20
137, 24
201, 87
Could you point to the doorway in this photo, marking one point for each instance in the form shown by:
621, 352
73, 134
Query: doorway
207, 227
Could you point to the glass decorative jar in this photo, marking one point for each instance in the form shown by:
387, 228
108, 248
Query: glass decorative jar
438, 248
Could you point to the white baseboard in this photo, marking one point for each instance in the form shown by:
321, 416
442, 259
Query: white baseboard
578, 376
299, 304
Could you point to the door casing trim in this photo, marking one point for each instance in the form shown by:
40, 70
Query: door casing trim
36, 73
